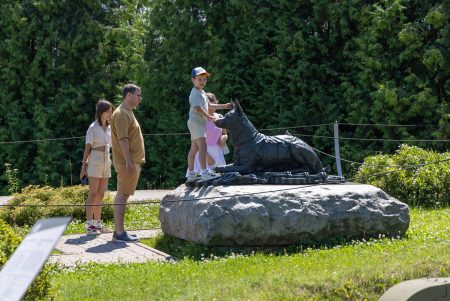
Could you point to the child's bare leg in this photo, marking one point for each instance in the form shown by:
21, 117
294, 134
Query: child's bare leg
92, 196
191, 155
202, 152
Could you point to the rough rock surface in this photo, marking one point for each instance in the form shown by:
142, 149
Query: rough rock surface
281, 214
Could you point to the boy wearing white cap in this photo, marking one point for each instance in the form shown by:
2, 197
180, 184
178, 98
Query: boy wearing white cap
198, 115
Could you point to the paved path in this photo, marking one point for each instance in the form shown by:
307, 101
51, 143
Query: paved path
145, 195
81, 248
4, 199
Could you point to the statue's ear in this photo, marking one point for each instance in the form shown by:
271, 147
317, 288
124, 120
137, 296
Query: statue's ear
237, 106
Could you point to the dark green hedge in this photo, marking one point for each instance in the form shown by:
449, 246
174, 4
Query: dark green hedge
290, 63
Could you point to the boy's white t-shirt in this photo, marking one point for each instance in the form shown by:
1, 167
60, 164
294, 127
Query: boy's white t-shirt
198, 98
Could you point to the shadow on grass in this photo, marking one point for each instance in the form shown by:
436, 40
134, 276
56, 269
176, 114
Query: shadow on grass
180, 248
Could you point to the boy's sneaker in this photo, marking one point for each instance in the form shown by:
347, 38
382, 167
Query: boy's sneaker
124, 237
92, 230
208, 175
192, 177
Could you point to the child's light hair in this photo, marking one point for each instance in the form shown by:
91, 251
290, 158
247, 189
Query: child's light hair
212, 97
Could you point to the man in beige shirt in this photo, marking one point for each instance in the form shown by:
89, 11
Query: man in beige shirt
128, 154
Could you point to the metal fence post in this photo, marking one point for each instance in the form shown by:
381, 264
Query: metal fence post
336, 148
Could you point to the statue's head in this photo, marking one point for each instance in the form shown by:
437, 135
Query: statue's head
233, 118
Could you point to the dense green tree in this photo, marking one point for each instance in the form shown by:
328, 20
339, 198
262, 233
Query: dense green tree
57, 58
398, 73
290, 63
295, 63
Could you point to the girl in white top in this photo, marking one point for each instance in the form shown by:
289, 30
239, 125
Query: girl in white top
97, 164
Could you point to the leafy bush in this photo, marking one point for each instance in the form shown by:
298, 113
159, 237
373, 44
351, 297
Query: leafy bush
12, 178
410, 175
40, 289
46, 201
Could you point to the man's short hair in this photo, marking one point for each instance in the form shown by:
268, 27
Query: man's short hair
129, 88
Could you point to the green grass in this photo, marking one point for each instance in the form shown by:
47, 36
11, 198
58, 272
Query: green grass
357, 270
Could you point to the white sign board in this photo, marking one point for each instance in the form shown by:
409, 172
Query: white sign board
27, 260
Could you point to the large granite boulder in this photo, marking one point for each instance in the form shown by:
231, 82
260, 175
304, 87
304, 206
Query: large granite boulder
280, 214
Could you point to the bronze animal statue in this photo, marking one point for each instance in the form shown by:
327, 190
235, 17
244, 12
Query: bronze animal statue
255, 152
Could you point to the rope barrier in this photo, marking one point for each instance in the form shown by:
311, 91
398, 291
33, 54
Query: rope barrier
405, 168
154, 134
296, 127
329, 155
78, 205
41, 140
401, 168
168, 134
270, 129
396, 140
390, 125
108, 231
390, 166
374, 139
152, 201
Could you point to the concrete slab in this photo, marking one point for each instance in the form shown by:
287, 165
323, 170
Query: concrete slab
81, 249
145, 195
5, 199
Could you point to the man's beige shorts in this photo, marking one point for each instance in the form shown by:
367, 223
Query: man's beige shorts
126, 183
99, 165
196, 129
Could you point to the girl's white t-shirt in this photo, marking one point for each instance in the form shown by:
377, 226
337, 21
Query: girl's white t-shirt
97, 136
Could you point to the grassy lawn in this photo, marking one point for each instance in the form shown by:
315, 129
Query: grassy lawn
355, 270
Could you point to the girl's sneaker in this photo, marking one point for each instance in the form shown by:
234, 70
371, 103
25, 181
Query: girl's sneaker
208, 175
102, 229
91, 229
192, 177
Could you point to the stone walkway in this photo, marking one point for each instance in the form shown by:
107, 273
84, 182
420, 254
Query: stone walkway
81, 248
4, 199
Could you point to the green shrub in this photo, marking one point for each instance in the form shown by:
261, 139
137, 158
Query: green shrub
46, 201
410, 175
41, 288
12, 178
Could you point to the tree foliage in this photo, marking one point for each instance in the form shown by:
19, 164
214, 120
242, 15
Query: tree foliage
295, 63
57, 58
290, 63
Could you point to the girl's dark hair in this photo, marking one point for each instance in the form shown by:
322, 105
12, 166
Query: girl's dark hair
102, 106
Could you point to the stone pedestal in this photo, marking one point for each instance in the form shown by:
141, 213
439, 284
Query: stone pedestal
281, 214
